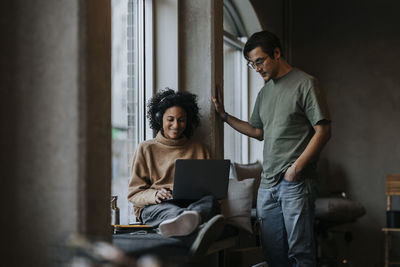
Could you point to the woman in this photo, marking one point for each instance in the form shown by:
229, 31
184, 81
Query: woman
174, 116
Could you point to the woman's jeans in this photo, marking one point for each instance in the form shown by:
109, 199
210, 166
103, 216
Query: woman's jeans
286, 212
207, 207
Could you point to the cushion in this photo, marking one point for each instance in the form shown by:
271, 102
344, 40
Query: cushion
232, 171
336, 209
237, 206
252, 170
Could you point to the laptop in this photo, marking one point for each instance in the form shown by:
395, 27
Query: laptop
195, 178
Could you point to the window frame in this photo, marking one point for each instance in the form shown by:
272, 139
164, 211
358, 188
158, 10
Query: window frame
235, 41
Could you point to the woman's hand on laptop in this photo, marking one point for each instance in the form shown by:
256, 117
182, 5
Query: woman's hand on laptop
163, 194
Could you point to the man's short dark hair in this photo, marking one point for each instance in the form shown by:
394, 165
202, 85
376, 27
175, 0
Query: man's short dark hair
266, 40
167, 98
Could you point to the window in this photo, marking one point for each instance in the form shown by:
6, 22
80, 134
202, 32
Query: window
235, 85
128, 94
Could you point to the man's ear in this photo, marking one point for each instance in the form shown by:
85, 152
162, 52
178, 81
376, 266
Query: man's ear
277, 53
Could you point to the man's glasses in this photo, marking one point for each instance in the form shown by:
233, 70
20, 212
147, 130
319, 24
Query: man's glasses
258, 63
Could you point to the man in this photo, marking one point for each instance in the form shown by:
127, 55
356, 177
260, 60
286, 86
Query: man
292, 117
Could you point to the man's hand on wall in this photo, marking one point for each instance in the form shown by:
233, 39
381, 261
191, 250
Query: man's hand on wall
219, 101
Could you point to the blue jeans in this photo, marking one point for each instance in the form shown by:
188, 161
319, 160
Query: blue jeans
285, 212
207, 207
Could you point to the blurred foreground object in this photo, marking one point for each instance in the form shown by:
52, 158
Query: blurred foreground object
101, 253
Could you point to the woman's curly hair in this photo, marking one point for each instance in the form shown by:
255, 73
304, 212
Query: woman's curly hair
167, 98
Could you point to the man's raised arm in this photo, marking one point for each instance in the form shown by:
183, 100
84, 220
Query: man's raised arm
241, 126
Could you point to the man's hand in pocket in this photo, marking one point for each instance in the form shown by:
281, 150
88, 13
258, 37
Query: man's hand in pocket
291, 174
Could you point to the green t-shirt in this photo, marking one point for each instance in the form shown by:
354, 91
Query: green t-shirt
286, 109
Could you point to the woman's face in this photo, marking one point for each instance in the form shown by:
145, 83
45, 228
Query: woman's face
174, 122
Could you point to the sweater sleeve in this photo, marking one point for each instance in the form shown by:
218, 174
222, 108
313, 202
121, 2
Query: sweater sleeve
139, 191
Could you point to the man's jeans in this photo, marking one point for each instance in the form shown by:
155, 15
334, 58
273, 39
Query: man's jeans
285, 213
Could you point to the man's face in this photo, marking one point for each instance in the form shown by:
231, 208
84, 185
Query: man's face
263, 63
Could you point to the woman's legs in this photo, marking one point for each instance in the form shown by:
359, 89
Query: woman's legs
207, 207
157, 213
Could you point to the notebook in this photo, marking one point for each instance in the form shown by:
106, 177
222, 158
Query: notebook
120, 229
195, 178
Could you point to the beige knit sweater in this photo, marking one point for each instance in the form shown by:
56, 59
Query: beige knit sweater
153, 167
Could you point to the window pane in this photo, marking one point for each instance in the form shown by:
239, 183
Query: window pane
232, 99
125, 107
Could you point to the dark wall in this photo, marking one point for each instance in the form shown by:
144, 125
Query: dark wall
353, 47
270, 14
7, 129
